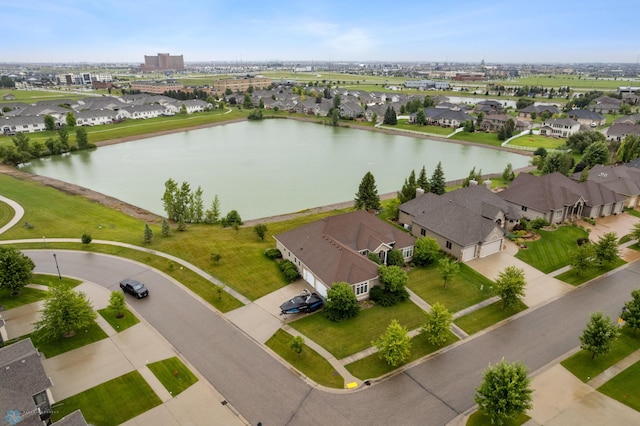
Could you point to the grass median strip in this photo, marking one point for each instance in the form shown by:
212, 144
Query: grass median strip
173, 374
111, 403
309, 362
571, 277
487, 316
83, 337
624, 387
119, 324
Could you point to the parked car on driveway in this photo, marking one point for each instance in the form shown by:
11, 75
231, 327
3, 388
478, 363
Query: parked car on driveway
134, 287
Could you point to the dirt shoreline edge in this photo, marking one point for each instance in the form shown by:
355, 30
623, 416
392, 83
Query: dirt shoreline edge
147, 216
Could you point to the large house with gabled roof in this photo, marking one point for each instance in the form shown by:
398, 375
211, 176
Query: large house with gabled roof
337, 249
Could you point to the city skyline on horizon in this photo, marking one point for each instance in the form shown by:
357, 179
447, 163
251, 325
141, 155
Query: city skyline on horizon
213, 31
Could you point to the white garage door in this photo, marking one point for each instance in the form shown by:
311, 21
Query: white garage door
490, 248
468, 253
321, 289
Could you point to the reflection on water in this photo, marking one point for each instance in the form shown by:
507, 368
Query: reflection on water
265, 168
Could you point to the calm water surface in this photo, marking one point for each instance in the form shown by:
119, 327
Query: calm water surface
265, 168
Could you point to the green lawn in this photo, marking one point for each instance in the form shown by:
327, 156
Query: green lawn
82, 338
372, 366
465, 289
584, 368
348, 337
478, 137
309, 363
437, 130
551, 251
111, 403
173, 374
624, 387
6, 213
537, 141
487, 316
27, 295
570, 277
119, 324
47, 279
479, 419
243, 266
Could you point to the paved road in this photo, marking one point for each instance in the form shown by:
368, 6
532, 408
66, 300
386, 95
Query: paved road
262, 389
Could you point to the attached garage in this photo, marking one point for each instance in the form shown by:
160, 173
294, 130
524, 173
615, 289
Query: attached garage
468, 253
316, 284
490, 248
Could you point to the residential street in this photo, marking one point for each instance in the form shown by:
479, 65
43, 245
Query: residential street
264, 390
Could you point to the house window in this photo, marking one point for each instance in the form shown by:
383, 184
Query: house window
558, 214
449, 245
524, 208
361, 288
407, 252
423, 232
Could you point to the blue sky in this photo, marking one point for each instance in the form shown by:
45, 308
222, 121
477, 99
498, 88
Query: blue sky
515, 31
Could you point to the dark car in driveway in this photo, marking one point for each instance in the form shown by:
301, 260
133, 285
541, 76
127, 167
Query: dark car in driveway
134, 287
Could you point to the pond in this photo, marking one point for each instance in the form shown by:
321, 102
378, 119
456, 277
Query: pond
265, 168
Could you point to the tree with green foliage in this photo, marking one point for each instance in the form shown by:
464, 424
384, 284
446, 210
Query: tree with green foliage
505, 391
437, 324
631, 311
581, 258
508, 175
524, 102
425, 251
606, 249
469, 127
255, 114
580, 141
169, 199
367, 197
247, 103
166, 229
510, 286
147, 235
629, 149
232, 219
423, 180
65, 311
540, 152
71, 120
393, 278
395, 258
596, 153
557, 161
447, 268
261, 230
421, 118
390, 117
297, 344
196, 206
394, 346
437, 181
408, 191
212, 215
49, 123
82, 139
261, 105
117, 303
16, 269
599, 334
473, 176
63, 139
341, 303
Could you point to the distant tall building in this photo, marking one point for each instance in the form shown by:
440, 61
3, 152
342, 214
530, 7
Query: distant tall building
162, 62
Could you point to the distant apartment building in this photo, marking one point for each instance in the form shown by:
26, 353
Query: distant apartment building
469, 76
427, 84
163, 62
241, 84
83, 78
156, 87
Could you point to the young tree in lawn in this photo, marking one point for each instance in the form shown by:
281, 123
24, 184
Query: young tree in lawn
599, 335
71, 119
117, 303
65, 311
631, 311
425, 251
49, 123
261, 230
437, 324
510, 286
606, 250
505, 391
437, 180
63, 138
169, 199
341, 303
16, 269
147, 236
196, 206
581, 258
447, 268
166, 229
367, 197
297, 344
212, 215
394, 346
82, 140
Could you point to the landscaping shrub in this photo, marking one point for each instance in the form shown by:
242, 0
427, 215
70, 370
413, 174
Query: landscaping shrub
374, 258
395, 258
387, 298
539, 223
582, 241
273, 253
289, 270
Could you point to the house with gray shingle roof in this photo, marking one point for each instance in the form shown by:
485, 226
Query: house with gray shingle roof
619, 131
95, 117
24, 385
467, 223
25, 124
586, 117
622, 179
537, 109
336, 249
559, 127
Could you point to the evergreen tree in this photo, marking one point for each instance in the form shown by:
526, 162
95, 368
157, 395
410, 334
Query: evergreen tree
166, 229
423, 180
367, 196
408, 191
390, 117
147, 236
421, 118
437, 180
